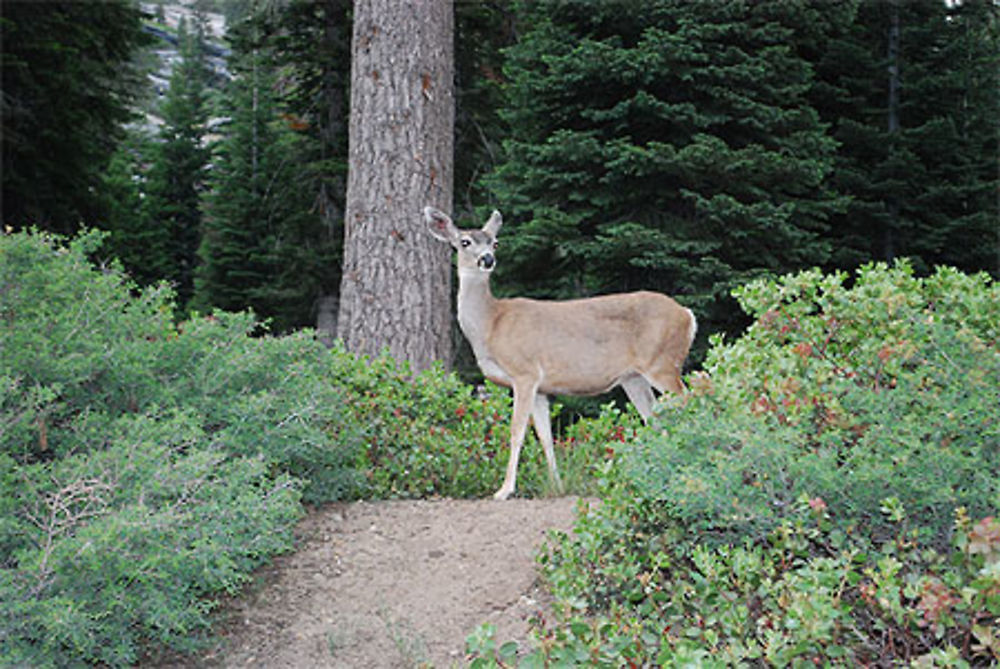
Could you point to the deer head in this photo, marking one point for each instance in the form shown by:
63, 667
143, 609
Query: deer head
475, 247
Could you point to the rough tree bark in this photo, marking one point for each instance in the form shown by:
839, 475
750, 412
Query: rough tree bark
396, 286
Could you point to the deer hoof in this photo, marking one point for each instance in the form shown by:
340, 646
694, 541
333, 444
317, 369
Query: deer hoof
502, 494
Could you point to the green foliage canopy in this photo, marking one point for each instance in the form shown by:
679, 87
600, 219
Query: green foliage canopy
68, 87
664, 145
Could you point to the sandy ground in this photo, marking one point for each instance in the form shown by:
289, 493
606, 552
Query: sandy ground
393, 584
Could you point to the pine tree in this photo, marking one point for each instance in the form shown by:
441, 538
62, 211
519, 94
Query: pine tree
911, 94
309, 44
951, 126
175, 181
666, 145
482, 31
142, 248
261, 231
68, 86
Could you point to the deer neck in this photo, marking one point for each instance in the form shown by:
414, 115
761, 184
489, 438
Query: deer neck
475, 308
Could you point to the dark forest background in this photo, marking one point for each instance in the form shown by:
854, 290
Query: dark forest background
681, 146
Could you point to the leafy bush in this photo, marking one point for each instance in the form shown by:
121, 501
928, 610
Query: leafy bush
430, 434
125, 544
826, 494
801, 597
887, 388
80, 348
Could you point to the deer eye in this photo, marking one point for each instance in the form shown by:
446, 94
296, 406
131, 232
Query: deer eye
465, 243
496, 244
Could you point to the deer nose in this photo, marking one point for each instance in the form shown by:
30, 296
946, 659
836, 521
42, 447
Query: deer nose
486, 261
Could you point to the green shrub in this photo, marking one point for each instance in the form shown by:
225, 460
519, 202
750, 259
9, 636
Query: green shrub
127, 544
81, 346
431, 434
70, 331
802, 597
144, 466
423, 434
887, 388
271, 396
825, 495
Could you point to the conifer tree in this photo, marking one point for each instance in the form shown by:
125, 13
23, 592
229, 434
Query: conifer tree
482, 32
663, 144
309, 46
912, 97
68, 86
261, 229
176, 177
142, 248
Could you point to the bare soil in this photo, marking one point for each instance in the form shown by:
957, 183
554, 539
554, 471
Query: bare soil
394, 584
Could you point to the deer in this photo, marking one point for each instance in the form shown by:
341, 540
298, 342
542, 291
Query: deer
586, 346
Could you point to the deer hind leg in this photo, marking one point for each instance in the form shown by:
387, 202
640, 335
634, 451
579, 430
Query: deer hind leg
524, 398
543, 428
640, 393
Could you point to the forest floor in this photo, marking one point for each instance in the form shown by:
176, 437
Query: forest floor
393, 584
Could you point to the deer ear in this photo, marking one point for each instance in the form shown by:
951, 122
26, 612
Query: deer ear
493, 225
439, 224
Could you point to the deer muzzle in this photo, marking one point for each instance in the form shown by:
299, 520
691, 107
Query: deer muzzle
487, 261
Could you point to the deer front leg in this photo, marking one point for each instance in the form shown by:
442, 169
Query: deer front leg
523, 401
543, 428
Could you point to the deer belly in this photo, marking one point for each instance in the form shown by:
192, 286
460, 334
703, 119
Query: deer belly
584, 388
573, 378
492, 371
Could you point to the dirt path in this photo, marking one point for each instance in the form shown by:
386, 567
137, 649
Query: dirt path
394, 584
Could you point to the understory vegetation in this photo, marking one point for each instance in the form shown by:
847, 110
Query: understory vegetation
826, 493
147, 467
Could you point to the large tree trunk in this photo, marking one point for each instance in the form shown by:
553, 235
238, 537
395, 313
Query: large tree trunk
396, 286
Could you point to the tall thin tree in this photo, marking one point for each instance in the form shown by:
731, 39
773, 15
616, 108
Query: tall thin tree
395, 288
176, 177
